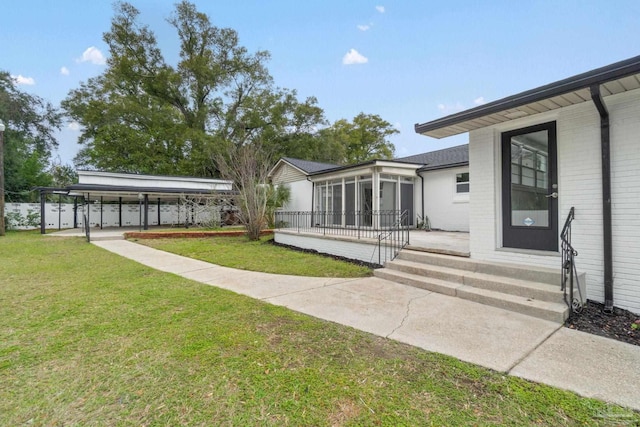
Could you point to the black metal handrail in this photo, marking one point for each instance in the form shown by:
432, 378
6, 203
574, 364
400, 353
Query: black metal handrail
353, 224
569, 271
391, 242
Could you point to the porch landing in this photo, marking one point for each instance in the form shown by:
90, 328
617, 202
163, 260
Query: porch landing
440, 242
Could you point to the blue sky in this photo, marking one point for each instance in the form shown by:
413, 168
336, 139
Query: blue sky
408, 61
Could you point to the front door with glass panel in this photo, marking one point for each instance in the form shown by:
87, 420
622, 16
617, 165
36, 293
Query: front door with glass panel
529, 188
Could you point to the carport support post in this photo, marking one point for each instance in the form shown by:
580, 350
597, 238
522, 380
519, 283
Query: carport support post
42, 214
100, 212
159, 211
59, 211
146, 211
120, 211
75, 212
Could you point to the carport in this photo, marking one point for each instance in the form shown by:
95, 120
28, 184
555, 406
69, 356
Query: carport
125, 189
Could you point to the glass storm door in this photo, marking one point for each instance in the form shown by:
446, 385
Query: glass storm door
529, 188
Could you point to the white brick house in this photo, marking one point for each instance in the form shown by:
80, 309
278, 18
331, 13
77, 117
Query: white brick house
535, 155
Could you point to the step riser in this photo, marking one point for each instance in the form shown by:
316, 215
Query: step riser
497, 285
508, 288
511, 306
416, 283
550, 295
426, 272
428, 259
467, 292
521, 274
514, 272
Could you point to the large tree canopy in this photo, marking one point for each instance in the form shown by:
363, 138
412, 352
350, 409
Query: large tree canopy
365, 138
146, 115
28, 139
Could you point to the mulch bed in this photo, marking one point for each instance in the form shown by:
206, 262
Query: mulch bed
617, 326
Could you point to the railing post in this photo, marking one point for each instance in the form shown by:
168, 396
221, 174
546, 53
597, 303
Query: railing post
324, 223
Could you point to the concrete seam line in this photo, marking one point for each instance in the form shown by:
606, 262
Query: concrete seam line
517, 362
295, 292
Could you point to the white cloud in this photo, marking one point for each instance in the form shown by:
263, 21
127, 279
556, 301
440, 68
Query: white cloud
354, 57
364, 27
459, 106
74, 126
64, 71
22, 80
380, 9
92, 55
450, 108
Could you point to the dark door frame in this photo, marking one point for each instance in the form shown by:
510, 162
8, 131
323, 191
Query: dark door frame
521, 236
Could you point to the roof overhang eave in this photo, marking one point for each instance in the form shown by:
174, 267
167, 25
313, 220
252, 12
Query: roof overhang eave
427, 168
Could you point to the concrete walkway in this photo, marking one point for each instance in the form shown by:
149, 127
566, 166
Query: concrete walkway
505, 341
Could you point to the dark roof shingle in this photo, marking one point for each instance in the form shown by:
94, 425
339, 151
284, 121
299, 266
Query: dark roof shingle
439, 159
309, 166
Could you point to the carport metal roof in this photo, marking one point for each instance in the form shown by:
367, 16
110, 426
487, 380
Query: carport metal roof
111, 186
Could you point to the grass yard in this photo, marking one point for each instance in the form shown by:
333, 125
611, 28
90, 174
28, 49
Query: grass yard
238, 252
89, 338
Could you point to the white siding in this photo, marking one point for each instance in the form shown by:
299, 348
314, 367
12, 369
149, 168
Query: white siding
301, 189
446, 209
301, 196
625, 198
579, 185
286, 174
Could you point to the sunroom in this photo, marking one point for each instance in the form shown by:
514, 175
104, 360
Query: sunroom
369, 196
372, 195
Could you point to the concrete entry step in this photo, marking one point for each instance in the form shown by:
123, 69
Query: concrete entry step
516, 271
511, 287
491, 282
553, 311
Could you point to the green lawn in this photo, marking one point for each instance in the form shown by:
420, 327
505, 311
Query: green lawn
89, 338
238, 252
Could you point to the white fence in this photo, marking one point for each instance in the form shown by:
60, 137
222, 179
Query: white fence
25, 216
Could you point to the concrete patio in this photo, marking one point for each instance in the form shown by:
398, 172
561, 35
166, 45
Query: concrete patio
442, 242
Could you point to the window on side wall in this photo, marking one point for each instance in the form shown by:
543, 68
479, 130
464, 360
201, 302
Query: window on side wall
462, 183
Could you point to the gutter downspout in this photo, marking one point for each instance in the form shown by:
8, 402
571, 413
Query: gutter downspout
43, 223
605, 144
422, 195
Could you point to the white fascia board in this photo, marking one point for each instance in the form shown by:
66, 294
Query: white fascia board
382, 166
152, 181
